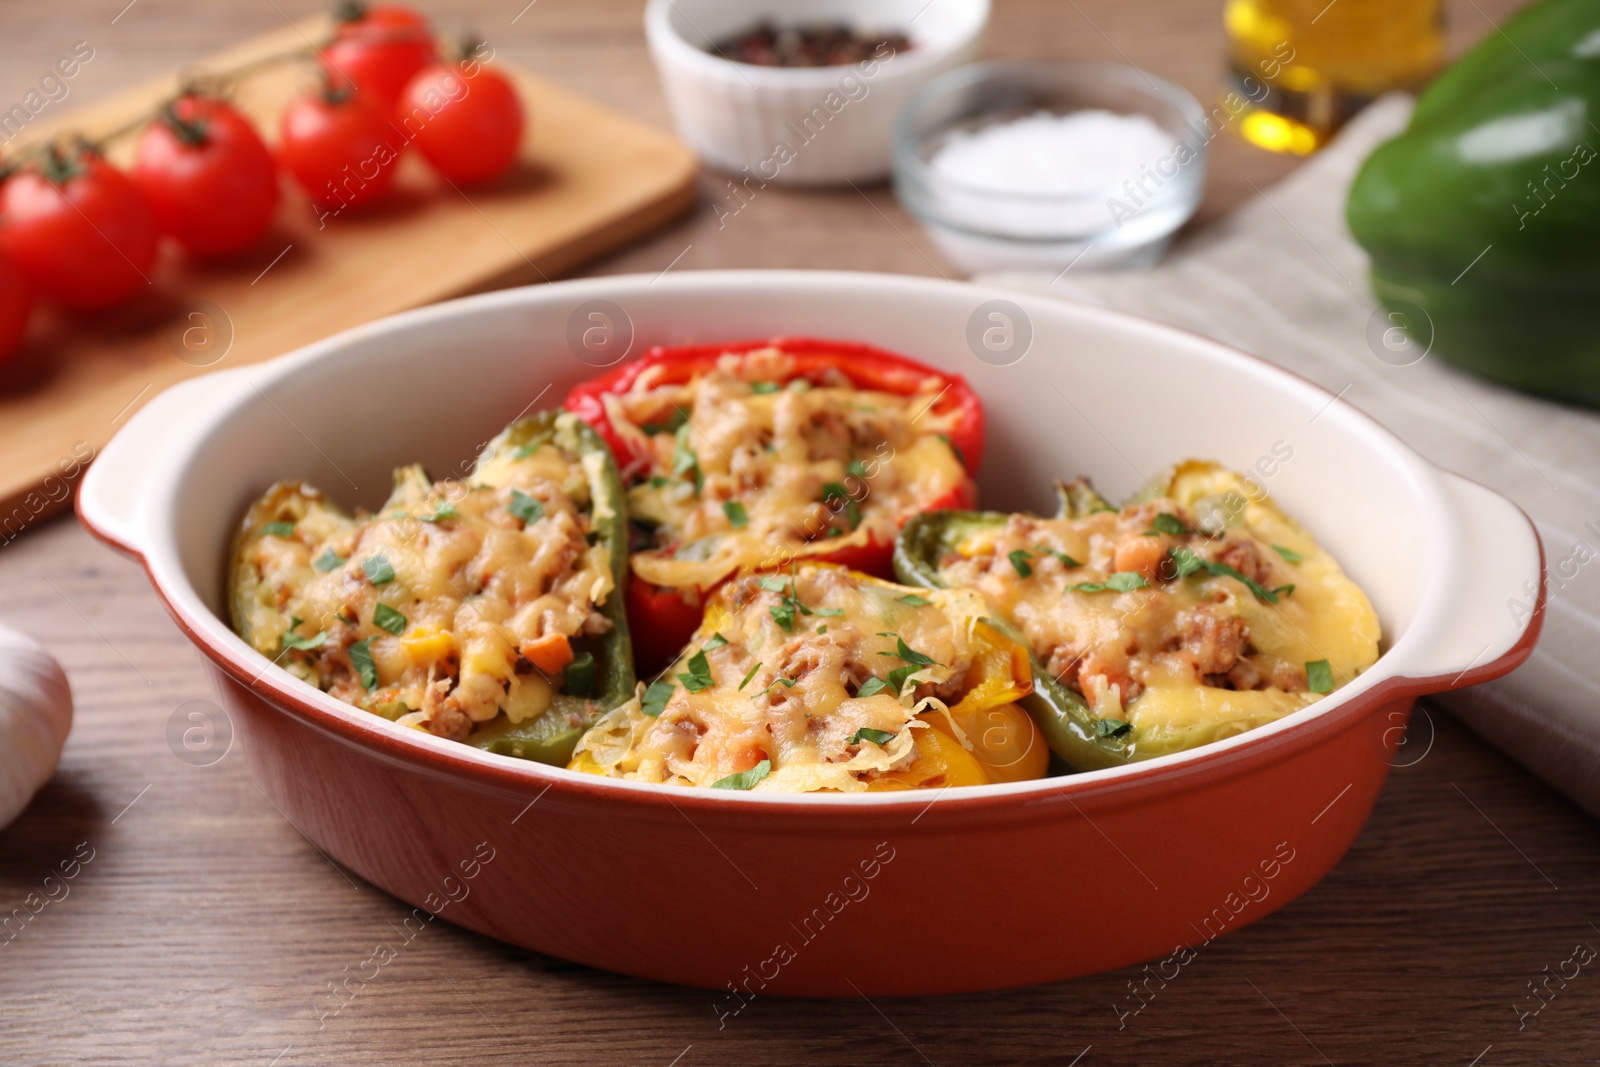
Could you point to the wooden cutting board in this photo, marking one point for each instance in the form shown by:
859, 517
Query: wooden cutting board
589, 180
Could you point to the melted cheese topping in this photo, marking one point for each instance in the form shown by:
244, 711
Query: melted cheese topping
1184, 660
746, 475
491, 577
785, 662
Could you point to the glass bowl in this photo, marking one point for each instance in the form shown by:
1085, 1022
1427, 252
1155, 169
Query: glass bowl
981, 227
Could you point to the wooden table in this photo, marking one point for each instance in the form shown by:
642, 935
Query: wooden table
204, 925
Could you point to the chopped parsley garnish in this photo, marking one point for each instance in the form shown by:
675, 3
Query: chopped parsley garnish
1066, 560
302, 644
763, 388
789, 607
1019, 558
655, 698
1289, 554
675, 420
386, 618
867, 733
698, 676
525, 507
1188, 563
745, 779
684, 461
1111, 727
872, 686
832, 491
361, 659
736, 514
1319, 676
658, 482
378, 569
856, 469
822, 629
1168, 523
749, 676
787, 683
915, 601
441, 511
716, 641
524, 451
914, 662
327, 560
277, 529
1120, 582
898, 676
907, 653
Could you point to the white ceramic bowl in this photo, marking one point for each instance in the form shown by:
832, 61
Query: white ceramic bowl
1067, 389
812, 125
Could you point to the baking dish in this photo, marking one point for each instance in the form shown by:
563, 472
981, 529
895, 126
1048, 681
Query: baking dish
887, 894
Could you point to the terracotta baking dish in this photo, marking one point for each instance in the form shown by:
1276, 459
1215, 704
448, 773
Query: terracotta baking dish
881, 894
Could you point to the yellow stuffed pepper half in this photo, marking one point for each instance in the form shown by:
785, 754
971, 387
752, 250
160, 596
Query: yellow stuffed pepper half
824, 679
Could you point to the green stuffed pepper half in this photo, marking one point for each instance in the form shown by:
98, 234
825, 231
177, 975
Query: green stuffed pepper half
485, 609
1197, 611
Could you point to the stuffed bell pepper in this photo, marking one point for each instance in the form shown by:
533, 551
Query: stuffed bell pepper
749, 456
486, 609
1196, 612
821, 678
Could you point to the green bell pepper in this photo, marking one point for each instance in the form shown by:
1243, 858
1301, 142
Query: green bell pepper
1067, 723
1483, 217
600, 675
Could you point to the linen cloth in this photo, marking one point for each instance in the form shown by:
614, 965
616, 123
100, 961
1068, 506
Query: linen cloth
1283, 279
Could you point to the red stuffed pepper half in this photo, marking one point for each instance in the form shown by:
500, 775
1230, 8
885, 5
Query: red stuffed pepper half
753, 455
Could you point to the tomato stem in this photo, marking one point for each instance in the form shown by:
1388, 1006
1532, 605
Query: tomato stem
58, 168
336, 91
190, 132
349, 11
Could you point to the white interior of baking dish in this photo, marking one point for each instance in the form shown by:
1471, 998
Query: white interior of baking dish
1094, 393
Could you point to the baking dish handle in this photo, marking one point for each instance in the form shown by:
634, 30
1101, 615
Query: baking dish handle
115, 488
1497, 609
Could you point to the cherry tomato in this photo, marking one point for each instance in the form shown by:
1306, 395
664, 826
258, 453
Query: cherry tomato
16, 301
80, 230
340, 147
378, 49
464, 118
207, 175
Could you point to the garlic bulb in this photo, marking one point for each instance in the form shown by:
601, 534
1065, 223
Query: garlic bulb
35, 716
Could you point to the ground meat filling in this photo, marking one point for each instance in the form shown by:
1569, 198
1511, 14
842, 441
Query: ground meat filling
791, 669
457, 602
1109, 644
748, 467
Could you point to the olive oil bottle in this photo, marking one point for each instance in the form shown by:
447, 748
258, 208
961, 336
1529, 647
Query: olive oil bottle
1305, 66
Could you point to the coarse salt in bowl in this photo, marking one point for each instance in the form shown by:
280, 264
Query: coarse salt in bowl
1048, 165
